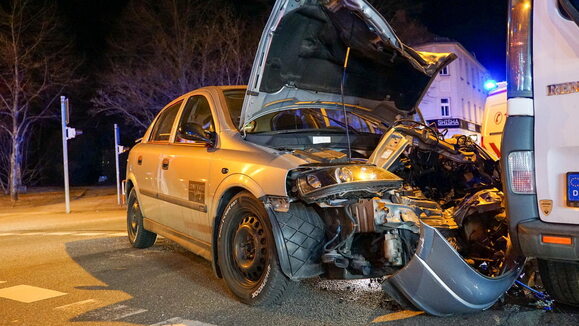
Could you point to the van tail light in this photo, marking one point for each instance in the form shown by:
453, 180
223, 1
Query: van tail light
521, 172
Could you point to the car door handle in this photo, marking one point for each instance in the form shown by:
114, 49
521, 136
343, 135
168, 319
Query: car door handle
140, 160
165, 164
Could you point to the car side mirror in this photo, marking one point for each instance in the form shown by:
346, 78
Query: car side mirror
194, 132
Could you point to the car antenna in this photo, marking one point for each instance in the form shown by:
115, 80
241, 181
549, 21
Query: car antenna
344, 104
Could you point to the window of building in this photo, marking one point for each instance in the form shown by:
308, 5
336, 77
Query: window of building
461, 72
466, 73
444, 71
445, 107
473, 78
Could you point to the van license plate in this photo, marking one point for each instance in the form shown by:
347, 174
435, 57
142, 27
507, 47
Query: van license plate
573, 189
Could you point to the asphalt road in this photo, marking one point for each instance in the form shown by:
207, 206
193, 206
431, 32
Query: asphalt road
58, 269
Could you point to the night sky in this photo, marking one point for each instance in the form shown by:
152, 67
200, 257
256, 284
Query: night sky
479, 25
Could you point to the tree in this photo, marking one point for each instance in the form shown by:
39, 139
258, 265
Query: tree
36, 65
163, 49
401, 16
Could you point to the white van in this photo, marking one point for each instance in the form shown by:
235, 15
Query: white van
494, 118
540, 147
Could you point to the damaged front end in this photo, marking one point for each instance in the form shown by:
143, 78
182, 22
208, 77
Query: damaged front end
331, 77
424, 212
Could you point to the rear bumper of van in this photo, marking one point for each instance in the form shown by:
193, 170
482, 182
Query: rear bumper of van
531, 240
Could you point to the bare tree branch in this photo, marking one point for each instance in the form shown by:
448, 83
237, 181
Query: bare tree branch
178, 50
40, 64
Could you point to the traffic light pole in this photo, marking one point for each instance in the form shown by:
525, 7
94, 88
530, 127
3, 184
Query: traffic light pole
64, 121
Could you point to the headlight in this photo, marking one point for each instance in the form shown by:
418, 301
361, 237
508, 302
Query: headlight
313, 181
345, 178
366, 174
344, 174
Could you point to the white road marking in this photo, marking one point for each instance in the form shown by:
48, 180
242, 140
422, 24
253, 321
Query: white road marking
28, 294
116, 312
75, 304
2, 282
119, 234
88, 234
59, 233
177, 321
32, 233
6, 234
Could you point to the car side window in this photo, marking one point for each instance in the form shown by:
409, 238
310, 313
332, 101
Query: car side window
162, 128
197, 110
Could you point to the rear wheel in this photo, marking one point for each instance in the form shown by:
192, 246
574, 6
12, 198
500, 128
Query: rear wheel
561, 279
138, 236
247, 252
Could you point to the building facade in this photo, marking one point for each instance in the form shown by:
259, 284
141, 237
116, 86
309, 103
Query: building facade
456, 98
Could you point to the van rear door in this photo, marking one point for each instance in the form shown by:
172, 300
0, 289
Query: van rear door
556, 106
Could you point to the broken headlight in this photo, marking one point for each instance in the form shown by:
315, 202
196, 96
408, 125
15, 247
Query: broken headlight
327, 181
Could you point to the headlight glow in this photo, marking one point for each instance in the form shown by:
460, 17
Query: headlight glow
366, 174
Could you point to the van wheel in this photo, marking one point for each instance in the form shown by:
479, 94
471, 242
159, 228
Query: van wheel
561, 279
247, 252
138, 236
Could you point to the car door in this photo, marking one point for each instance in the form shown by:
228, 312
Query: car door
186, 177
147, 161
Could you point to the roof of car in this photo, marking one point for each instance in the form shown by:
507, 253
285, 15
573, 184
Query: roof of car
207, 88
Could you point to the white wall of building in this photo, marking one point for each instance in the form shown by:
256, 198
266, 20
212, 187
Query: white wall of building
460, 87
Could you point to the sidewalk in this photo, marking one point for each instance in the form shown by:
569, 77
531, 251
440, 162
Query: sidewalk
45, 210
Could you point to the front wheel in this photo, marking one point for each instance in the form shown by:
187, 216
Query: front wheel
247, 252
561, 279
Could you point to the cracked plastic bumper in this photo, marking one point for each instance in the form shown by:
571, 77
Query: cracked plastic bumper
438, 281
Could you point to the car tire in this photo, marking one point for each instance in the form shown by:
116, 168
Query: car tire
247, 252
561, 279
138, 236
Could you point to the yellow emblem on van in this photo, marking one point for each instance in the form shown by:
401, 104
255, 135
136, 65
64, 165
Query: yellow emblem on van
546, 206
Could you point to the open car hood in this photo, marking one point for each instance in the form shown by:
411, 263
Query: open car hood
302, 53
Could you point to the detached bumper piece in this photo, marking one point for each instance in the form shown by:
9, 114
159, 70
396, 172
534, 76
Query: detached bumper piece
438, 280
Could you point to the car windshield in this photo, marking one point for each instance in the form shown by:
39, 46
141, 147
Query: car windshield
317, 119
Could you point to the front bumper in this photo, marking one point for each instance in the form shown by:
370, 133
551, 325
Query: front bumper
530, 240
438, 280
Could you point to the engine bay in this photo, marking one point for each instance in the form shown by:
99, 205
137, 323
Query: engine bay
373, 208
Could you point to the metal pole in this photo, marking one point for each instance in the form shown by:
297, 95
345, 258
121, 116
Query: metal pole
64, 119
117, 136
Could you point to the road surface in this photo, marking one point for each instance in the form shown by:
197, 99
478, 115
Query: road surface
79, 269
